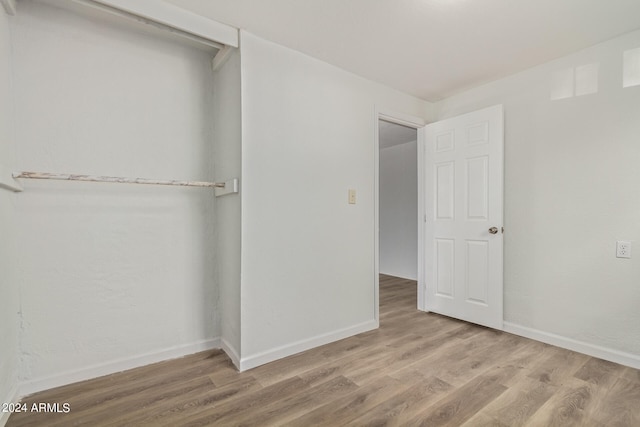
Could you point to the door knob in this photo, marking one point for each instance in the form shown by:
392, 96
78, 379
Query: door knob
493, 230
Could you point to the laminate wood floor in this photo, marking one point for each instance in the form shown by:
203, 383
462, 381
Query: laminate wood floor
416, 369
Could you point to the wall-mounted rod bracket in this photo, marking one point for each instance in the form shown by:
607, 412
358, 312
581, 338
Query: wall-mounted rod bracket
230, 187
8, 182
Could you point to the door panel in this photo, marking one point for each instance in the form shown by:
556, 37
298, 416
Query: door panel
477, 258
445, 267
445, 192
477, 188
463, 199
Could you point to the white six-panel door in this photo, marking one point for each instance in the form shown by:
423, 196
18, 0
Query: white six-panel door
463, 212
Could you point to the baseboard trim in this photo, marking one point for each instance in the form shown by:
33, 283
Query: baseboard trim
11, 397
119, 365
600, 352
302, 345
231, 352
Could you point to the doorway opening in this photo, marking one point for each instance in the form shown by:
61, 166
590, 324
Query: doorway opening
398, 195
397, 234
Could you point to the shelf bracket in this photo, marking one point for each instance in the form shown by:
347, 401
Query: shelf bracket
8, 182
230, 187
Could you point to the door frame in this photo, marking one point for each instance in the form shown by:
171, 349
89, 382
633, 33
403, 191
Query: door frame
381, 113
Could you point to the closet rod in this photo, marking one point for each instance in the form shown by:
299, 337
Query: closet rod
115, 179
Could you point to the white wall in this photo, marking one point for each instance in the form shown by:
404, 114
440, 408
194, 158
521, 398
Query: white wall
399, 210
228, 164
9, 302
572, 188
307, 255
110, 275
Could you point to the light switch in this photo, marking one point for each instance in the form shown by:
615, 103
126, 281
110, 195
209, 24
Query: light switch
352, 196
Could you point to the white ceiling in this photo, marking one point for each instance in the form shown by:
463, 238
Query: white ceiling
428, 48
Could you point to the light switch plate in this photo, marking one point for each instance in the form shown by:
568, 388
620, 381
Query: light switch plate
352, 196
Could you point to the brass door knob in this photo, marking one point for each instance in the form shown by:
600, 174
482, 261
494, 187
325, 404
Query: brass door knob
493, 230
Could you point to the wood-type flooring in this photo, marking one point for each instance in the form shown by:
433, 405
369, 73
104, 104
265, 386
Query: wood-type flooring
417, 369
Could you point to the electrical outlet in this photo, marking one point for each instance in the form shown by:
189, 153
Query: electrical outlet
623, 249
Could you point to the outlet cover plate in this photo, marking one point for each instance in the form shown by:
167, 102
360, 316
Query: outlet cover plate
623, 249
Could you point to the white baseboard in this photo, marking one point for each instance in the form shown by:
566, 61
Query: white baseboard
605, 353
119, 365
231, 352
11, 397
297, 347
